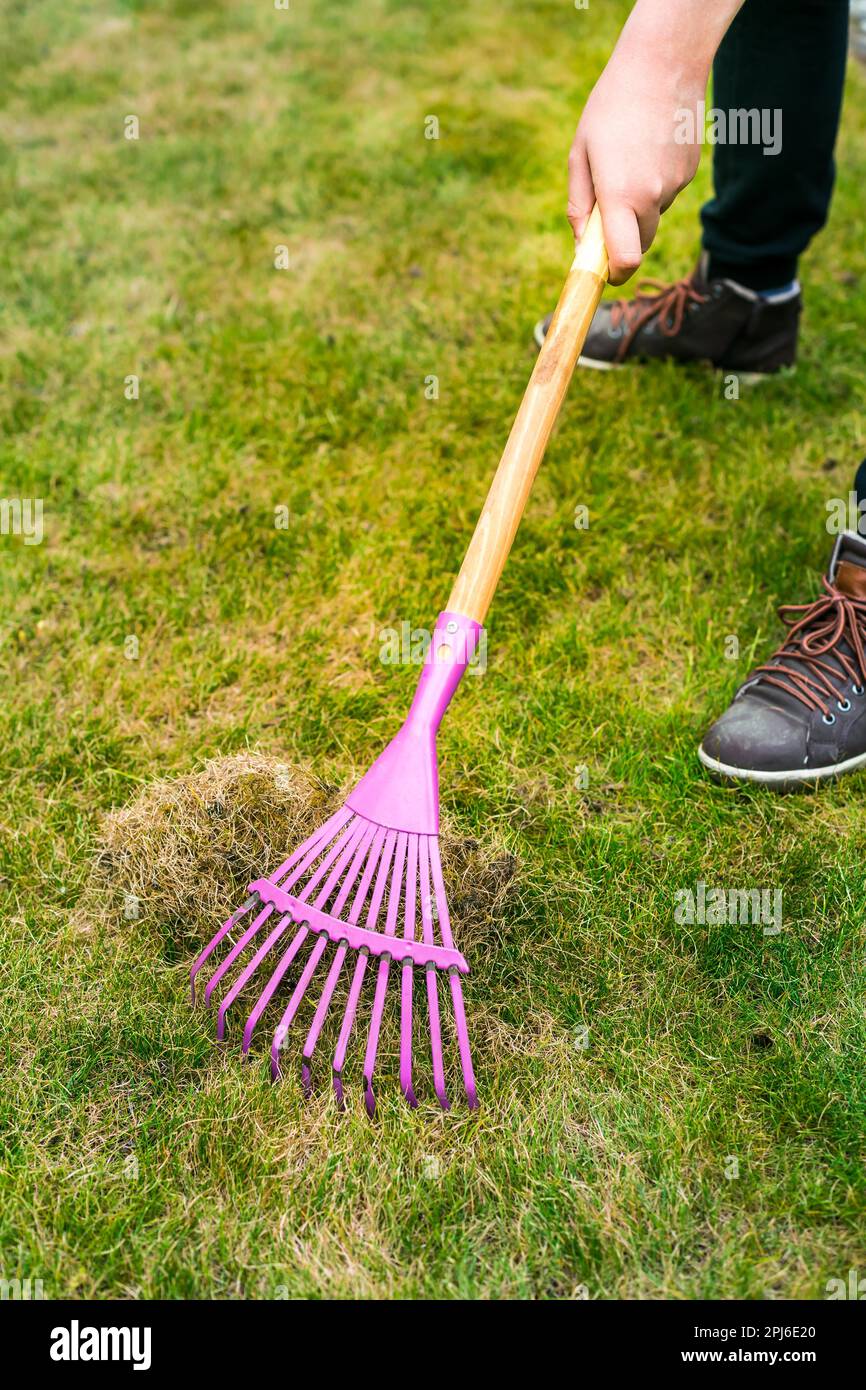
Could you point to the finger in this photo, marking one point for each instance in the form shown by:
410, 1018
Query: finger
622, 238
648, 223
581, 195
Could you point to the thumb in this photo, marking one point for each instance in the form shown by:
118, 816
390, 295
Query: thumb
581, 196
622, 239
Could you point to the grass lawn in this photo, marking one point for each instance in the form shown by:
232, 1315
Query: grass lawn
668, 1110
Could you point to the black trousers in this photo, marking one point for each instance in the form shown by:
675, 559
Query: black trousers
787, 56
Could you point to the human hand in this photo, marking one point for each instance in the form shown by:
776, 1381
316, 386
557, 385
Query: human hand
625, 155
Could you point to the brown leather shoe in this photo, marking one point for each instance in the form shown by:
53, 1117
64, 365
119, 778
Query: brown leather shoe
694, 320
801, 717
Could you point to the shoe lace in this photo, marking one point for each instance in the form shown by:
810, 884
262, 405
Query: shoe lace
666, 303
825, 623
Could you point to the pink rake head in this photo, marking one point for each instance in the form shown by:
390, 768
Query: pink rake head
369, 882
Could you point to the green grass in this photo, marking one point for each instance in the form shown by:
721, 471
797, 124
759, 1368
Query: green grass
601, 1168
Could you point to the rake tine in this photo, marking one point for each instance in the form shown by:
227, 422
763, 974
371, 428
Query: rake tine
349, 881
269, 941
373, 1034
342, 847
373, 861
436, 1037
300, 990
239, 946
307, 854
355, 845
407, 980
463, 1040
456, 986
320, 837
337, 964
431, 973
320, 1014
348, 1022
267, 993
361, 967
382, 977
215, 941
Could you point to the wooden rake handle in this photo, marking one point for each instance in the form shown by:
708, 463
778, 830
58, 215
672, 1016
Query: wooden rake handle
497, 526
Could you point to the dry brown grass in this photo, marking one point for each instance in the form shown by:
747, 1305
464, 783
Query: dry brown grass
187, 847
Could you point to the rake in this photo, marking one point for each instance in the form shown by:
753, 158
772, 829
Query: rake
368, 885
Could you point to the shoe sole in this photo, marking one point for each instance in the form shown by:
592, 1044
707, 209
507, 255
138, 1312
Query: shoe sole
790, 778
744, 378
596, 364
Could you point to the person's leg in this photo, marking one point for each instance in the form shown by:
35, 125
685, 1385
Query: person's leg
786, 56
